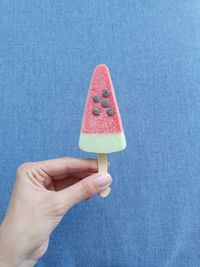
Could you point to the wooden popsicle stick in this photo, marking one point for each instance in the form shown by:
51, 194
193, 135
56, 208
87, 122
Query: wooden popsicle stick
103, 168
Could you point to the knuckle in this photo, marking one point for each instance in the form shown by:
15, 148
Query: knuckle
85, 189
23, 168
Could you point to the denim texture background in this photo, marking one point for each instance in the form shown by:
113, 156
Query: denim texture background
48, 50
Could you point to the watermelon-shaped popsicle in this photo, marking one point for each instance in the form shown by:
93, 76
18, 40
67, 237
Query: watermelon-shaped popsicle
102, 131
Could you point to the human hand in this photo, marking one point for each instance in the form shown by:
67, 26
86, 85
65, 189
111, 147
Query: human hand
43, 192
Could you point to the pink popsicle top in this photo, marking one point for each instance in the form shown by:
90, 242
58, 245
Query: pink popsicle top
101, 114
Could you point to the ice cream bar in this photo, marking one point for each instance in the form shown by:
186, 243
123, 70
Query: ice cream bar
102, 130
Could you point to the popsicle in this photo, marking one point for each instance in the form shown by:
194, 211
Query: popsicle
102, 131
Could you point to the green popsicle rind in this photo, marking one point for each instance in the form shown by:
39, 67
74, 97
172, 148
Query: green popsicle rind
102, 143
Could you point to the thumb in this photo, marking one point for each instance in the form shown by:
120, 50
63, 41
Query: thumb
84, 189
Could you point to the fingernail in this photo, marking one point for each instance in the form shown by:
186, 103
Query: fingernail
103, 180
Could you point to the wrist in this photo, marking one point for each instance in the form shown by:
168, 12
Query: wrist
9, 251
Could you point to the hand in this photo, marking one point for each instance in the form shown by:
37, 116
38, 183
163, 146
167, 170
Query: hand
43, 192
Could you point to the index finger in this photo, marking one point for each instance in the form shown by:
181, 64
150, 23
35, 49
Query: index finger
61, 166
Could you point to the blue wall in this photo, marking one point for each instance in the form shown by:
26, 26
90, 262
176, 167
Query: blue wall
48, 50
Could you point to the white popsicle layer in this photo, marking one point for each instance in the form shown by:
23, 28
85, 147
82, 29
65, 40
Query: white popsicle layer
102, 143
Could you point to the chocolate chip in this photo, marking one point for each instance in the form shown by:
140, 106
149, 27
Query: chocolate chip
96, 98
96, 111
110, 112
105, 103
106, 93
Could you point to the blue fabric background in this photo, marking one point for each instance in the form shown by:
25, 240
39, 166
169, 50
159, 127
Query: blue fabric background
48, 50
